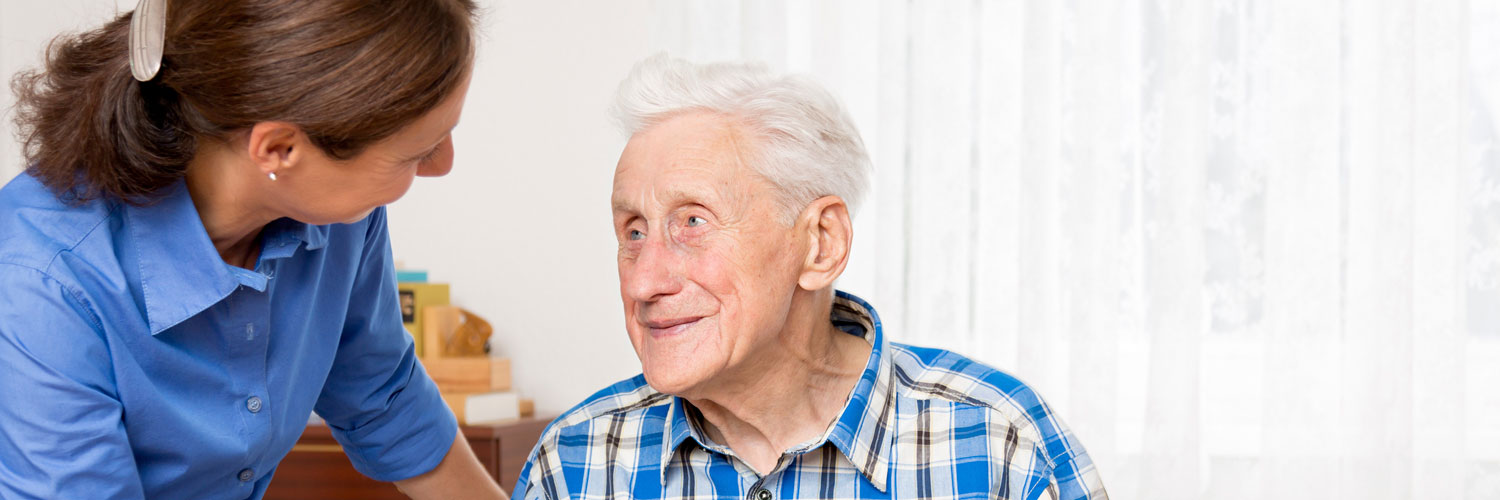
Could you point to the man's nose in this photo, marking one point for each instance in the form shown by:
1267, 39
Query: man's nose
653, 273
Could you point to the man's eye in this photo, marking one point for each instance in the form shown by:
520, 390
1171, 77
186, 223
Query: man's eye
695, 221
635, 235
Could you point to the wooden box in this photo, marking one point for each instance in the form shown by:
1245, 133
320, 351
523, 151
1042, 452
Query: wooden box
472, 374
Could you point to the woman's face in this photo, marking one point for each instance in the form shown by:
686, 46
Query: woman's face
322, 190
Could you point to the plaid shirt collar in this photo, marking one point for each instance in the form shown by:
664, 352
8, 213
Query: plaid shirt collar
862, 431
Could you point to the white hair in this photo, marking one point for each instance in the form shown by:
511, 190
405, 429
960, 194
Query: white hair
802, 140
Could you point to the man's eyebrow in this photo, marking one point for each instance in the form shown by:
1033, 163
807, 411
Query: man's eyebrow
676, 196
672, 197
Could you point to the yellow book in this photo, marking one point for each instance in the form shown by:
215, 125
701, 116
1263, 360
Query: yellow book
414, 298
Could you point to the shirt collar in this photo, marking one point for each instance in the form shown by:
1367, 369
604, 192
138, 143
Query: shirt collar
181, 273
679, 427
863, 431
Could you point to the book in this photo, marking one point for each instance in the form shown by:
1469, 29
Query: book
411, 276
414, 298
487, 407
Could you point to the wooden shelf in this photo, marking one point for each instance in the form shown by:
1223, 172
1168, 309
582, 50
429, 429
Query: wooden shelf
317, 468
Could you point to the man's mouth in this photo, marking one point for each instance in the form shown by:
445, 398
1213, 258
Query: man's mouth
672, 326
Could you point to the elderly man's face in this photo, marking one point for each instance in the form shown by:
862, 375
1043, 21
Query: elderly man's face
707, 270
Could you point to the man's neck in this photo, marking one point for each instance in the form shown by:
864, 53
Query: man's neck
793, 395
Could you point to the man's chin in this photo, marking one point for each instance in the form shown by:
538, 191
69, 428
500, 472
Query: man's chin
671, 382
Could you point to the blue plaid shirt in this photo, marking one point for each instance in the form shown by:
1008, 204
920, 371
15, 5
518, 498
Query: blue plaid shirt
921, 423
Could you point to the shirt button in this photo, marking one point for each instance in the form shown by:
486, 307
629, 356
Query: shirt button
250, 331
246, 475
253, 404
763, 494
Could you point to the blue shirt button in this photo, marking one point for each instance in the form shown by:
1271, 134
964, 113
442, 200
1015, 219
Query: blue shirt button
246, 475
253, 404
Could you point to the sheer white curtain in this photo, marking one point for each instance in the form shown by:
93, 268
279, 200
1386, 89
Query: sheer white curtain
1248, 249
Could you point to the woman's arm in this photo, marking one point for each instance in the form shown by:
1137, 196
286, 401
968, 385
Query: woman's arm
61, 433
459, 476
377, 400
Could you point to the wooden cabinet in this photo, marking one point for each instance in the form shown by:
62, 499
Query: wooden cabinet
317, 468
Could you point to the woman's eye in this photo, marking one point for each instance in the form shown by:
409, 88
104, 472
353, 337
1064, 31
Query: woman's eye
696, 221
635, 235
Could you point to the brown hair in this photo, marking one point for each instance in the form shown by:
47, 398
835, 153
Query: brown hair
348, 72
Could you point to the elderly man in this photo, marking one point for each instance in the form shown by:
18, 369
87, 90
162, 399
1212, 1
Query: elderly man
732, 205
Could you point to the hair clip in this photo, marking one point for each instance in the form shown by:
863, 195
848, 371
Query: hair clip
148, 37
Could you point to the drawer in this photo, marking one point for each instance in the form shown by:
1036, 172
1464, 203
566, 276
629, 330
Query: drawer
316, 468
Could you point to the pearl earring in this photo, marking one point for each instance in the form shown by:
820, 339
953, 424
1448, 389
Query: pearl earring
272, 175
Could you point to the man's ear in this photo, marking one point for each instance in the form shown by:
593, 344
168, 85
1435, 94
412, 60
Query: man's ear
830, 233
276, 147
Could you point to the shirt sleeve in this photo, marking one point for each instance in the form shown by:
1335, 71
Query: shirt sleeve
61, 432
378, 400
1072, 471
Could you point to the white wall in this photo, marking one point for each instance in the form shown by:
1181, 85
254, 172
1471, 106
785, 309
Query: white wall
25, 28
521, 227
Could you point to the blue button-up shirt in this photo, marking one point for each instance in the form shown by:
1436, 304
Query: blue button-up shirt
135, 363
920, 423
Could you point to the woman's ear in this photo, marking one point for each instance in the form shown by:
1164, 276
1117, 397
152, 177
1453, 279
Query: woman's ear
830, 233
276, 147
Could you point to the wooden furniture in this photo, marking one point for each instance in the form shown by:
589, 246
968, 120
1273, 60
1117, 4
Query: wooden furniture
317, 468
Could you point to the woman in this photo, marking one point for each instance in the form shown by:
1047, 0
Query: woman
194, 263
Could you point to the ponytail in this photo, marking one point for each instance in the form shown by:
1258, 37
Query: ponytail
89, 130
